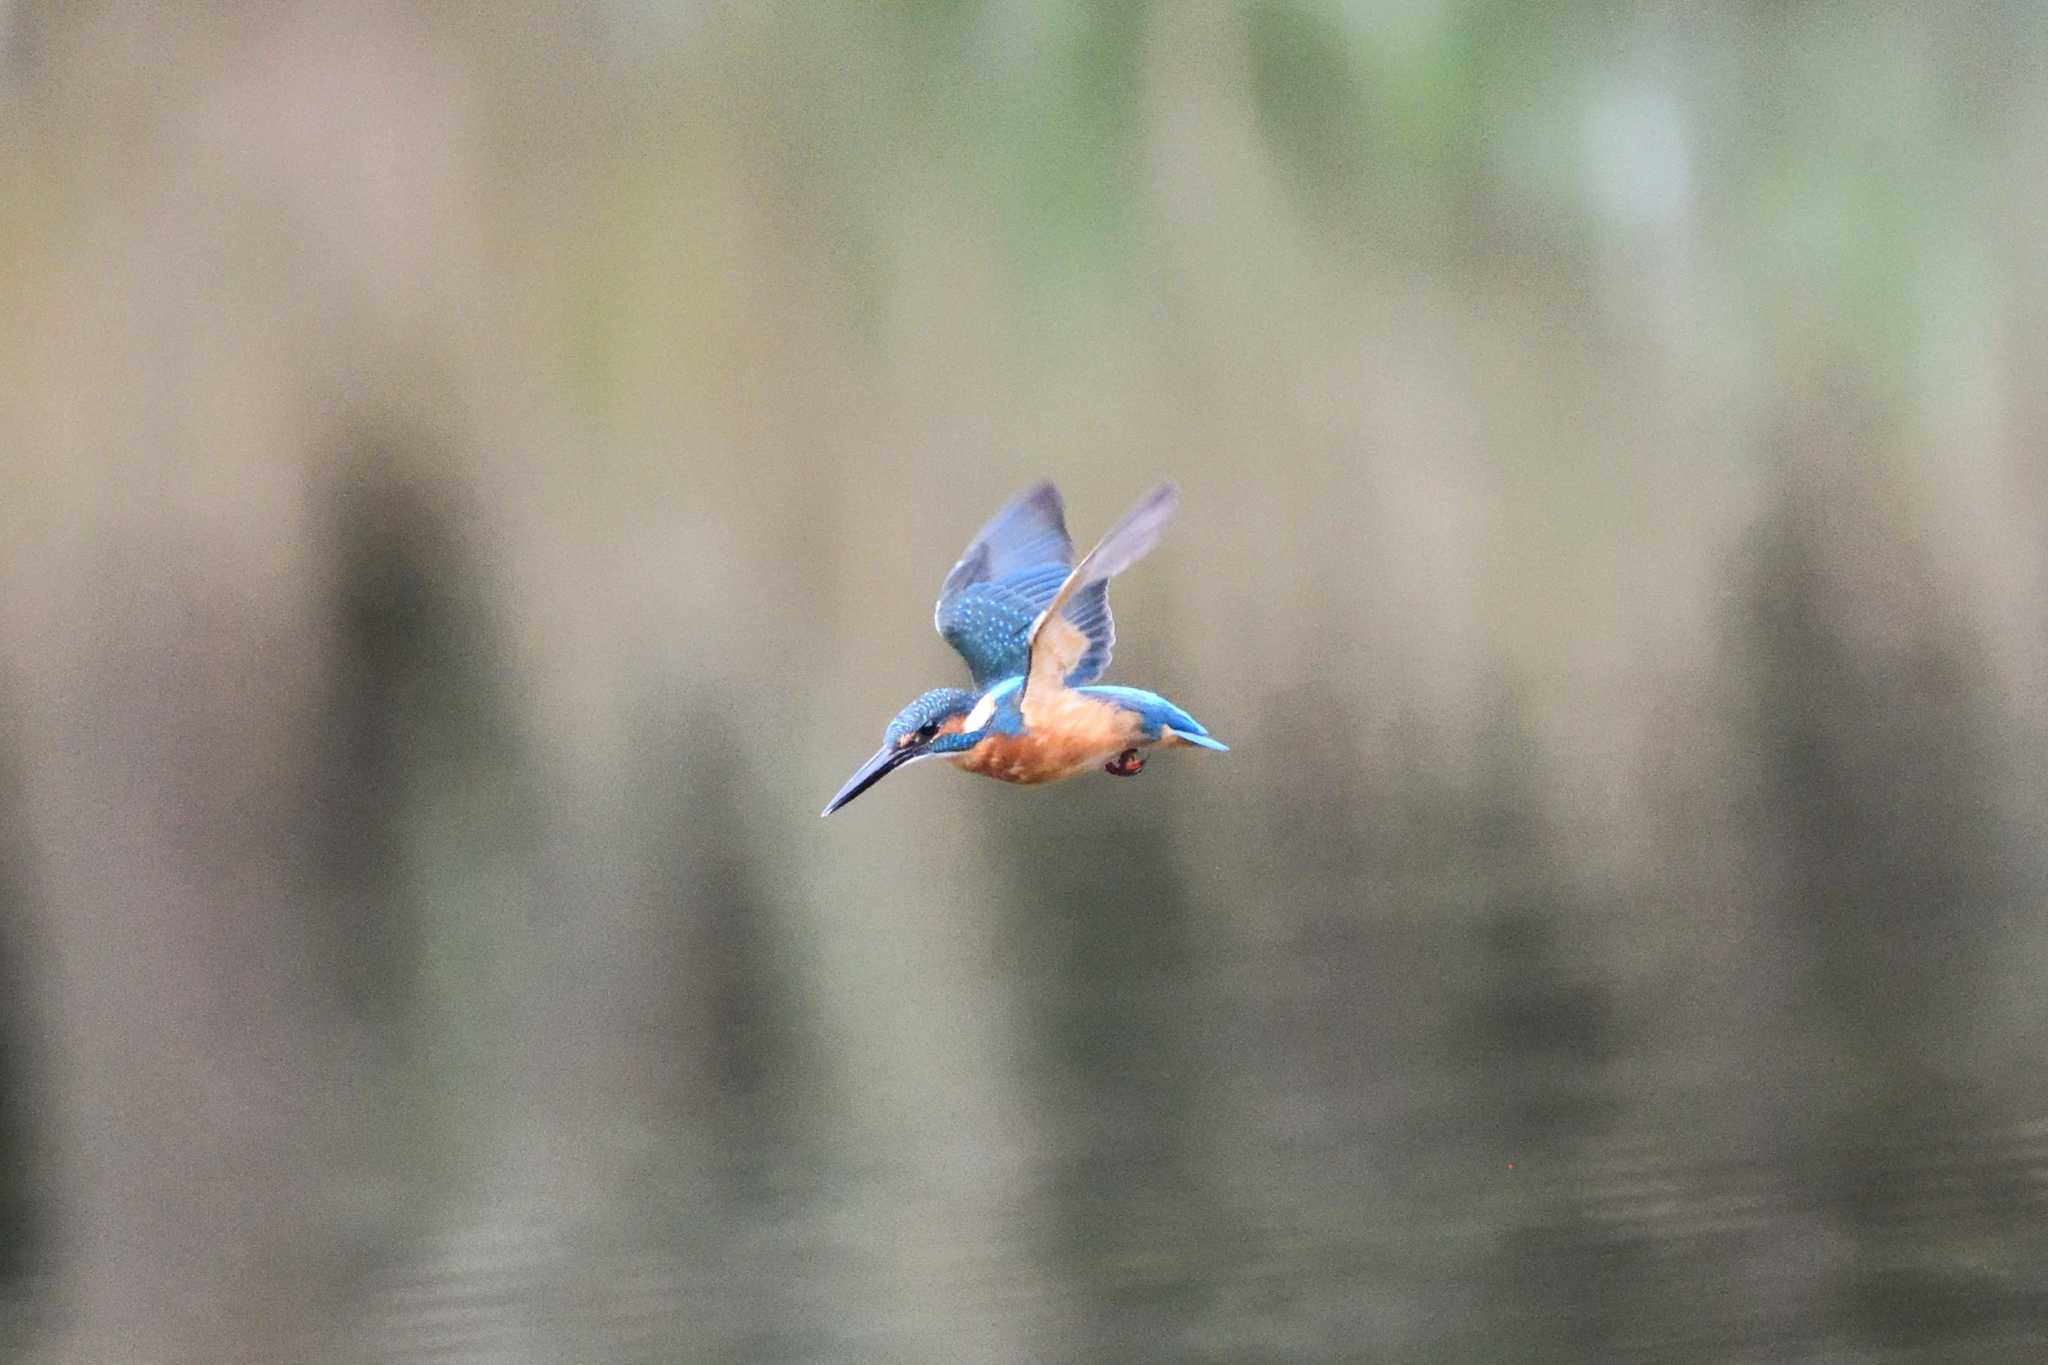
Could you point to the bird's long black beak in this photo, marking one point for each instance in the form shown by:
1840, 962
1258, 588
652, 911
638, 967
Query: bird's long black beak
884, 762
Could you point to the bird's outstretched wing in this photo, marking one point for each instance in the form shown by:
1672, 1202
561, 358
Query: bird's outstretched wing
1004, 578
1029, 532
1068, 643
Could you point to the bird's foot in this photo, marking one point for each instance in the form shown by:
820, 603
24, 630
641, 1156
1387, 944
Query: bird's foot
1129, 763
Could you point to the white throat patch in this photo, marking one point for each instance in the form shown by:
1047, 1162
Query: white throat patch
984, 710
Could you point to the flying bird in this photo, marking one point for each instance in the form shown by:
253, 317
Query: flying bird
1036, 633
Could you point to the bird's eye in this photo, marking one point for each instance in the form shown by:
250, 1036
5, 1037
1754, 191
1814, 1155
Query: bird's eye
927, 733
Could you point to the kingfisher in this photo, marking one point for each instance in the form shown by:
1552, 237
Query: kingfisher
1035, 631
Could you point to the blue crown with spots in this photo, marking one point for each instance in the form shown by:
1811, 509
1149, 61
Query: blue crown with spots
929, 709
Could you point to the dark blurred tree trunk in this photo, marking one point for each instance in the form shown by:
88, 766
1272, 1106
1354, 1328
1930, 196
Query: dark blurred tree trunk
1876, 806
24, 1174
204, 1090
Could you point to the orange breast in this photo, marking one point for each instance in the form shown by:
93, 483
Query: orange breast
1066, 734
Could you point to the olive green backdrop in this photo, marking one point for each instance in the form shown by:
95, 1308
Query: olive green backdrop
473, 481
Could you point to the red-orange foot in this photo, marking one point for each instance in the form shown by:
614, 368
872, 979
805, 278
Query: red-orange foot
1129, 763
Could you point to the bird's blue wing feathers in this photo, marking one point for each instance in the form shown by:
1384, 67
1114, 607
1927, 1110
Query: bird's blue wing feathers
1006, 577
990, 623
1069, 657
1088, 609
1028, 533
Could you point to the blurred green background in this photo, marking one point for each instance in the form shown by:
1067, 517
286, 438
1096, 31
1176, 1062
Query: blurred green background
473, 481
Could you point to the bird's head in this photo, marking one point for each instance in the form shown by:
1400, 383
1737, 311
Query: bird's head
929, 726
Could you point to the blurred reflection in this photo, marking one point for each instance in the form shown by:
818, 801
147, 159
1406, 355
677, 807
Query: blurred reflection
1118, 1019
23, 1216
470, 485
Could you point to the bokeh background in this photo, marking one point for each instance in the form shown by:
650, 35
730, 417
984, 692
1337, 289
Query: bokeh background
473, 480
